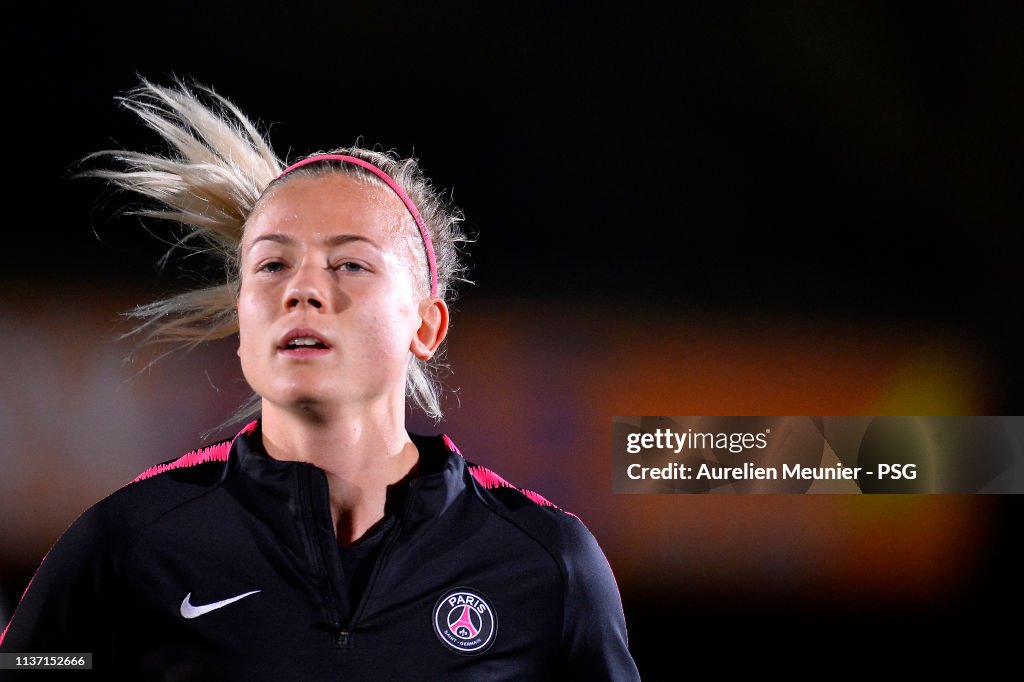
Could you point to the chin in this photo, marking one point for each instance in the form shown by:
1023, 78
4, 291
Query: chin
302, 398
311, 409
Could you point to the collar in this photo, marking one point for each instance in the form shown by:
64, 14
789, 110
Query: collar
283, 492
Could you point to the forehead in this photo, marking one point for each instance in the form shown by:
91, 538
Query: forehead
329, 205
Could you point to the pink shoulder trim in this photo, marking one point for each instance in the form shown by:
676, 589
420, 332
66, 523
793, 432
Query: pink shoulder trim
214, 453
489, 479
4, 633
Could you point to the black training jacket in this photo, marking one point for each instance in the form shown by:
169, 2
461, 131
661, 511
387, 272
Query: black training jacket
223, 565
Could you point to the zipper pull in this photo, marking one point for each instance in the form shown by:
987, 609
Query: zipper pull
342, 637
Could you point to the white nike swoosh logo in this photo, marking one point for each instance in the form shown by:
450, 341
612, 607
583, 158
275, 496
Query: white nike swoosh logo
190, 611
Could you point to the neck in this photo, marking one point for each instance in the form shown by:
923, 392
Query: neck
361, 455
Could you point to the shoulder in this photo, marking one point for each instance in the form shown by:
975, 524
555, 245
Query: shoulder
124, 515
560, 532
91, 557
508, 498
593, 641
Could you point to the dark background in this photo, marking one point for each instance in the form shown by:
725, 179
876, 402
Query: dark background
852, 161
815, 158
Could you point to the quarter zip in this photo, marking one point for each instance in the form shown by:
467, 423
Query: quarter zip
293, 499
343, 628
344, 635
378, 566
309, 516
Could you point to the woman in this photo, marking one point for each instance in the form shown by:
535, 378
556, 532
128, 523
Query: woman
324, 541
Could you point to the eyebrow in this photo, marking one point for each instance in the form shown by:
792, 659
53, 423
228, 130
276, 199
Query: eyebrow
333, 240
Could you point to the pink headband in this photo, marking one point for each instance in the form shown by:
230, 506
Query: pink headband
427, 244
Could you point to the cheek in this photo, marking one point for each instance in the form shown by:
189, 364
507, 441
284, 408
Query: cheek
251, 306
249, 319
389, 331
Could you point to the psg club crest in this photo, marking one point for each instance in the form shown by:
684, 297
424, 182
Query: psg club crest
464, 621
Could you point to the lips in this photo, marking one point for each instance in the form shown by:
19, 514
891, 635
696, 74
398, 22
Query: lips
304, 341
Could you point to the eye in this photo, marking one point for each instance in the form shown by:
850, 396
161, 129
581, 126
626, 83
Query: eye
351, 266
271, 267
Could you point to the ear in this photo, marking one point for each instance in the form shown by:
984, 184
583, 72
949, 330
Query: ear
238, 331
432, 330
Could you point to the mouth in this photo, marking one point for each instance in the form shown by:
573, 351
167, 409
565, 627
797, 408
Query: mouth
303, 342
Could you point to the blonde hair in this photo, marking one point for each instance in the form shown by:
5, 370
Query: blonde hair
219, 168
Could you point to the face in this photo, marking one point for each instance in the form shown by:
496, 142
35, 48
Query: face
329, 307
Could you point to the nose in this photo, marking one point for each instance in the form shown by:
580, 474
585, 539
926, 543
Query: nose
306, 289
